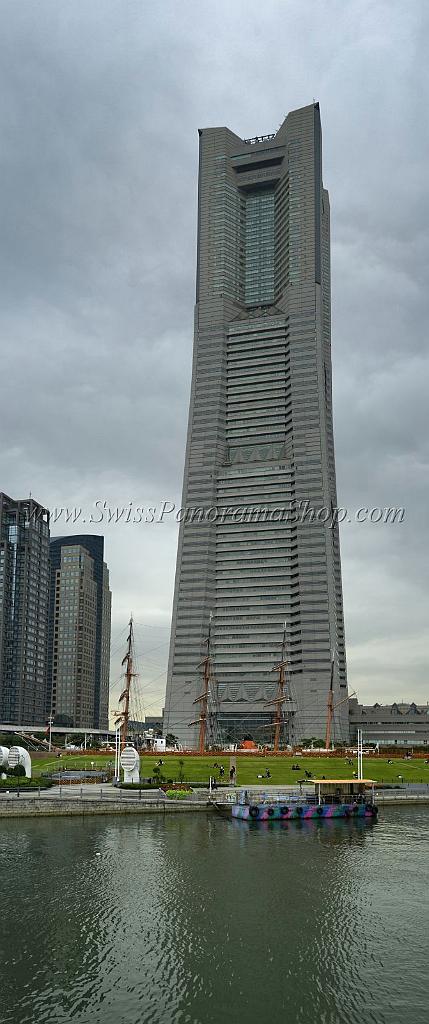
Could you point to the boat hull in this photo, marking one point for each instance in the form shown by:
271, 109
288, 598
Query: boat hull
303, 811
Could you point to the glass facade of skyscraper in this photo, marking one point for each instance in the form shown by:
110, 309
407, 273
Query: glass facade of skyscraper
259, 248
79, 631
24, 588
260, 444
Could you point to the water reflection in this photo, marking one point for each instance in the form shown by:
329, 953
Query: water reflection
204, 920
335, 829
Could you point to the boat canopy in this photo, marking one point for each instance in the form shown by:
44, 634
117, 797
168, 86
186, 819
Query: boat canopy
341, 782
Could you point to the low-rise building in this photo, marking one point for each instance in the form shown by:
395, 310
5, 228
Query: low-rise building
390, 725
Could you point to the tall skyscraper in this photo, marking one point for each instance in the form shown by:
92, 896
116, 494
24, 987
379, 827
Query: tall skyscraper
24, 584
260, 442
79, 632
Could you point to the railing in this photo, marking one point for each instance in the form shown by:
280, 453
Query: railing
284, 794
259, 138
86, 792
402, 794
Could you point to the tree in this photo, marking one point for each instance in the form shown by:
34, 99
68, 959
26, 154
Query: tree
171, 739
181, 772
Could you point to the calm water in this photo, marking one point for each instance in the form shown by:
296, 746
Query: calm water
198, 920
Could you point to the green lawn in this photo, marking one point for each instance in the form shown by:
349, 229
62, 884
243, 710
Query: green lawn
72, 761
198, 769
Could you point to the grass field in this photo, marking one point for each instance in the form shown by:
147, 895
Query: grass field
198, 769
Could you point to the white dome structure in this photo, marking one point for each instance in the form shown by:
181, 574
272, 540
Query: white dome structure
4, 757
18, 755
130, 764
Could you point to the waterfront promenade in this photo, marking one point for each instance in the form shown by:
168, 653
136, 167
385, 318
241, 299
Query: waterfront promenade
108, 799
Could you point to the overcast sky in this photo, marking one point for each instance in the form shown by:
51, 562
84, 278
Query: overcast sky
100, 103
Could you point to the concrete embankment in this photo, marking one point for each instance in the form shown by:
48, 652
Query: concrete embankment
388, 799
35, 807
62, 804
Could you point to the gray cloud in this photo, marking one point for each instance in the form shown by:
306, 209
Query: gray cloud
99, 109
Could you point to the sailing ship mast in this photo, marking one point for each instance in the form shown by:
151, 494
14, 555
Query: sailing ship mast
330, 712
331, 706
129, 675
203, 698
281, 696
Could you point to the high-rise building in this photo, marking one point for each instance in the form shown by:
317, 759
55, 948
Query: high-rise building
75, 627
24, 586
260, 443
79, 632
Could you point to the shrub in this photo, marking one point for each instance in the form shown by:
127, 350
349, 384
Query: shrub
13, 782
178, 794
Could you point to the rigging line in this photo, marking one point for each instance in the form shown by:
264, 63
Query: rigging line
141, 689
117, 685
155, 702
144, 685
155, 663
141, 697
244, 721
115, 650
138, 712
150, 650
120, 630
308, 711
163, 673
147, 625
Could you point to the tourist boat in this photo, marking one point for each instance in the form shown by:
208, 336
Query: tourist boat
332, 798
